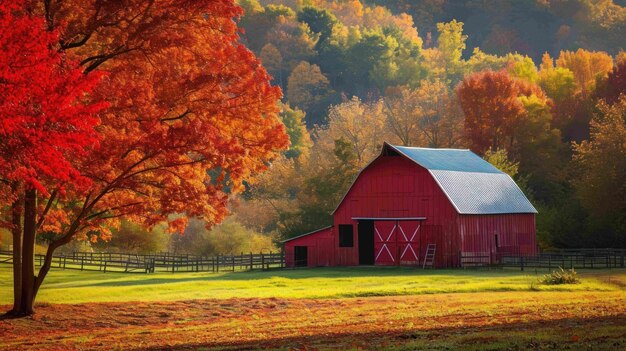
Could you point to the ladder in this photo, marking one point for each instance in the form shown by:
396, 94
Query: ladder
429, 259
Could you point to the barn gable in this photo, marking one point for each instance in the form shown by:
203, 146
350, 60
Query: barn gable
473, 185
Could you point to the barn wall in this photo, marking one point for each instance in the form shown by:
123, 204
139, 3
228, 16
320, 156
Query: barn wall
393, 186
516, 234
320, 248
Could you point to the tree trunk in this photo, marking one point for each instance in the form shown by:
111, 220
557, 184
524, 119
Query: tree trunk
16, 231
28, 252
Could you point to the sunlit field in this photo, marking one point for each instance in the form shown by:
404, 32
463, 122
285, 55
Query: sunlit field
78, 287
325, 308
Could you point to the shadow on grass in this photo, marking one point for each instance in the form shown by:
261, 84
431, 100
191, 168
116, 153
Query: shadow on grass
603, 333
307, 273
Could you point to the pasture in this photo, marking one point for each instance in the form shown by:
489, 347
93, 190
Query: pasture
317, 309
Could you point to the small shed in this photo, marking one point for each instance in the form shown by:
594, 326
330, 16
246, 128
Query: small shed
408, 198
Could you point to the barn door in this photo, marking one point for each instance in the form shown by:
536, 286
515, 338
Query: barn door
366, 242
385, 248
301, 256
408, 233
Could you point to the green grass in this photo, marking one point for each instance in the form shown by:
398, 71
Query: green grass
77, 287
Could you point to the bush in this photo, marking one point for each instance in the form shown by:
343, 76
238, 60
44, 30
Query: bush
561, 276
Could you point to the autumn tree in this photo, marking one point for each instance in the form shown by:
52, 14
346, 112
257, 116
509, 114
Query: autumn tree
360, 125
538, 148
320, 21
308, 89
299, 137
191, 115
450, 44
425, 116
615, 83
48, 119
601, 179
492, 110
588, 67
294, 41
259, 21
557, 82
133, 238
500, 159
227, 238
273, 61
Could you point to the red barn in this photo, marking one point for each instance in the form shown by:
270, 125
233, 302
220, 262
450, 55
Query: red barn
409, 198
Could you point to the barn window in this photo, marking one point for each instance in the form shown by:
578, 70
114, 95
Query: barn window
346, 235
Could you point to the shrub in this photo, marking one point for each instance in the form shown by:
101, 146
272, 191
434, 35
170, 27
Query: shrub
561, 276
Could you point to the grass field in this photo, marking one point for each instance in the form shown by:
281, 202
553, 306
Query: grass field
319, 309
78, 287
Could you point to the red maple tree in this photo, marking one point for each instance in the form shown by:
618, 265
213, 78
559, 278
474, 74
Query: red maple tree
492, 109
48, 119
191, 115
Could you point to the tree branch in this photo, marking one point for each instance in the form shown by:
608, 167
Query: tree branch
45, 211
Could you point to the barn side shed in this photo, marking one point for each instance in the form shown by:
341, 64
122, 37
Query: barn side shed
408, 198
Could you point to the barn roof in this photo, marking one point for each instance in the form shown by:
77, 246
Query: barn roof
473, 185
305, 234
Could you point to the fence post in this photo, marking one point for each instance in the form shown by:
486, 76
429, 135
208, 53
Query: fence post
521, 260
105, 266
251, 261
233, 258
217, 263
549, 262
82, 263
262, 261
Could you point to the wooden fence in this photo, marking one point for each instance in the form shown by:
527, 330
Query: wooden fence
162, 262
569, 258
565, 258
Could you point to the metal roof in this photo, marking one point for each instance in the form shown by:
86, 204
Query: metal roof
473, 185
461, 160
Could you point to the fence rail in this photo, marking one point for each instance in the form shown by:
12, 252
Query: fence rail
162, 262
570, 258
565, 258
166, 262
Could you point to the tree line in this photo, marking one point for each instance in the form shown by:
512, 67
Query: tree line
356, 74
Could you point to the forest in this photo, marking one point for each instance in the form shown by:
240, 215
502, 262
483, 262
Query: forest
532, 86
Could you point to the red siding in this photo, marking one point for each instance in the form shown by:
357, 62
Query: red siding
515, 234
320, 248
395, 187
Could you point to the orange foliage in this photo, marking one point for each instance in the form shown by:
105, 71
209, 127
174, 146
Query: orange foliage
492, 109
185, 97
588, 67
